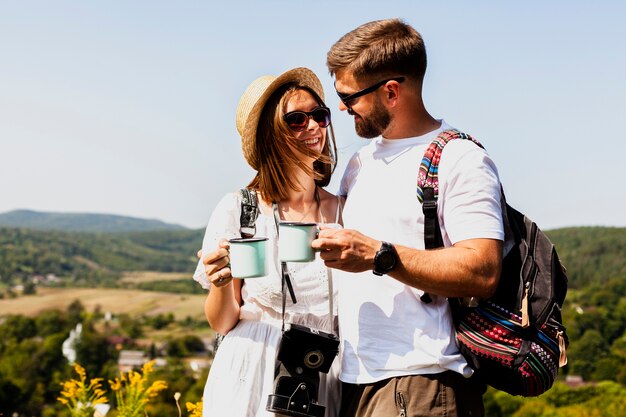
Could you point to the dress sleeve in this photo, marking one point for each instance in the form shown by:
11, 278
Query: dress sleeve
223, 224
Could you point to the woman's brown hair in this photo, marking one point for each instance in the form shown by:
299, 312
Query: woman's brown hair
276, 158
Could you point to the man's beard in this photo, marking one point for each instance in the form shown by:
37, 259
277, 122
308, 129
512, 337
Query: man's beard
375, 123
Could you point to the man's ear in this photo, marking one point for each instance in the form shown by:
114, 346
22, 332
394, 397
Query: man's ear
392, 92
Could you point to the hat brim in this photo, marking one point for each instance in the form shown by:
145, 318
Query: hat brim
301, 76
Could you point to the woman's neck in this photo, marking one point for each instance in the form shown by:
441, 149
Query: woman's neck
301, 205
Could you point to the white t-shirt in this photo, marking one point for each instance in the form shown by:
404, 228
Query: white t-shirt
386, 329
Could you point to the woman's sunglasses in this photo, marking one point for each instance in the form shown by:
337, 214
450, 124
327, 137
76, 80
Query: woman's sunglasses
299, 120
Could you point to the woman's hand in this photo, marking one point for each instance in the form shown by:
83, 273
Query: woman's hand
217, 264
221, 307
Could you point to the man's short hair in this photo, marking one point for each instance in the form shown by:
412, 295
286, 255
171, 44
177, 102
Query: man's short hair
377, 49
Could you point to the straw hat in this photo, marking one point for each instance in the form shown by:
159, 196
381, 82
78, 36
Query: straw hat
254, 98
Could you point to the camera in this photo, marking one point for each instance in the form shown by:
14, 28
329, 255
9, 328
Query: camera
303, 353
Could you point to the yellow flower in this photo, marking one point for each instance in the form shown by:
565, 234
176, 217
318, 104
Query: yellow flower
147, 367
79, 396
115, 385
194, 409
155, 388
80, 371
133, 393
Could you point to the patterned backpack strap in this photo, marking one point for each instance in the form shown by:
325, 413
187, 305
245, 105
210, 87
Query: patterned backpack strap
249, 212
428, 174
428, 189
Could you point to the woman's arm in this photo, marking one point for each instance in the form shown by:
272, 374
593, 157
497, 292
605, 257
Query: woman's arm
224, 299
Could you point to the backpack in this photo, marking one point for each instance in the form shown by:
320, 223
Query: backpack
515, 340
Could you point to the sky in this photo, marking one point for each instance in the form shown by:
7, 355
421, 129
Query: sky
128, 107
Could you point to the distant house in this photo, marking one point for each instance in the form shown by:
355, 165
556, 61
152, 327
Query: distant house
131, 359
118, 341
135, 359
575, 381
51, 278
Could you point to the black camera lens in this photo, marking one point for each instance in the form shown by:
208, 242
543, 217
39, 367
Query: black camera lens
314, 359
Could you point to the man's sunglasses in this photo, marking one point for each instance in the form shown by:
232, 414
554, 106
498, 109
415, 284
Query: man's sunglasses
299, 120
347, 98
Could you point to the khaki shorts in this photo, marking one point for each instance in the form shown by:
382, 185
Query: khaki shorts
447, 394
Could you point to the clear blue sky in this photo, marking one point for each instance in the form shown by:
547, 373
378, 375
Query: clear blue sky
128, 107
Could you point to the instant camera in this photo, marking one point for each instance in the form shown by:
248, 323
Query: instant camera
302, 354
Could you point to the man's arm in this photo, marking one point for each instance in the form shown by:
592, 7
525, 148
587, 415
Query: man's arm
470, 268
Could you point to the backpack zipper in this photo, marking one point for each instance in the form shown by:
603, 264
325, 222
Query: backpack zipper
401, 403
562, 349
525, 315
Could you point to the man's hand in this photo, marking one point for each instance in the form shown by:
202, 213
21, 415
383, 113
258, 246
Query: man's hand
345, 249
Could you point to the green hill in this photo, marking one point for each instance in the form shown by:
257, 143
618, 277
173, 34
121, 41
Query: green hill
81, 222
591, 254
94, 258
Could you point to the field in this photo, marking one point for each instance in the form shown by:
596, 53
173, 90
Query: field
133, 302
138, 277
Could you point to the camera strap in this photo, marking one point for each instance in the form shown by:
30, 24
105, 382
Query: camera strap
331, 295
286, 279
283, 266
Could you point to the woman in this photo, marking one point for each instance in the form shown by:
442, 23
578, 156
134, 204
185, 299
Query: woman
287, 139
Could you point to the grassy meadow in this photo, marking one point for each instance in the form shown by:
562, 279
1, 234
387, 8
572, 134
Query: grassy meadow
117, 301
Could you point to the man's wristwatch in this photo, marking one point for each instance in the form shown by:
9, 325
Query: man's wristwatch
385, 260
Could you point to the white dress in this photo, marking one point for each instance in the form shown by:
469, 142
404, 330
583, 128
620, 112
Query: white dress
242, 374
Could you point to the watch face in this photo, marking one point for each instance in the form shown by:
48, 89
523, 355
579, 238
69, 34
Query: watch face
386, 260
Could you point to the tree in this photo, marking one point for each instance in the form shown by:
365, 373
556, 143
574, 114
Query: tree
18, 327
93, 351
585, 353
75, 312
51, 322
10, 396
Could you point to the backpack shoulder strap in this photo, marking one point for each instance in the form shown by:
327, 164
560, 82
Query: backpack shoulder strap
249, 212
428, 189
427, 176
428, 184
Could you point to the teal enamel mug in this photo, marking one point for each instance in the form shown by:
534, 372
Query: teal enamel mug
294, 241
248, 257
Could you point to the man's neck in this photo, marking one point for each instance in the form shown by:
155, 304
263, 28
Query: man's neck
410, 118
408, 127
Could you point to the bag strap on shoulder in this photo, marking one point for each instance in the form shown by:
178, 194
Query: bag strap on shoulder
428, 184
428, 174
428, 189
249, 212
247, 228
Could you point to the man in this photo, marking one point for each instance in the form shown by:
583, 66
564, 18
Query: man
399, 355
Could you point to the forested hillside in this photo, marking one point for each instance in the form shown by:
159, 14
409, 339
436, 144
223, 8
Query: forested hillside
81, 222
591, 254
93, 258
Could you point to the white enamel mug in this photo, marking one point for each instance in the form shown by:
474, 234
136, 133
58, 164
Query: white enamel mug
247, 257
294, 241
